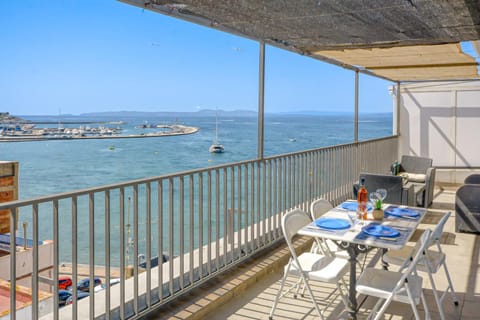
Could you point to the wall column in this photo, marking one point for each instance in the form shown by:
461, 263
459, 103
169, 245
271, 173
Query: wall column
396, 112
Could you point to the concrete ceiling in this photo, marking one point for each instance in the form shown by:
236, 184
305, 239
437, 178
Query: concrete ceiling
315, 27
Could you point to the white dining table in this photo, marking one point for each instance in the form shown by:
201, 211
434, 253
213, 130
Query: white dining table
355, 240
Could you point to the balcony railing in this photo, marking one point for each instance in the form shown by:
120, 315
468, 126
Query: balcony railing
202, 222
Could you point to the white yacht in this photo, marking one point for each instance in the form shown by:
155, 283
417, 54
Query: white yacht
216, 147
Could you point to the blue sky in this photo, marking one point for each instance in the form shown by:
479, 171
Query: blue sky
85, 56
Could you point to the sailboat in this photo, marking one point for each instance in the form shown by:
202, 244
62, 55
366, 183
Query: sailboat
216, 147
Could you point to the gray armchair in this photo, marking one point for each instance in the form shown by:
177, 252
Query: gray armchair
416, 166
472, 179
467, 208
396, 192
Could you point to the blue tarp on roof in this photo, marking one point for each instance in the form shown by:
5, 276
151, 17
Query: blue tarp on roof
5, 240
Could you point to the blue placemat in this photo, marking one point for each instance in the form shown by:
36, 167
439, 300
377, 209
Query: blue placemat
352, 206
332, 223
401, 238
379, 230
402, 212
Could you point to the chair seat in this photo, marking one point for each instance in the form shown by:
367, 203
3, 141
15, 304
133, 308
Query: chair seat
320, 267
381, 283
397, 257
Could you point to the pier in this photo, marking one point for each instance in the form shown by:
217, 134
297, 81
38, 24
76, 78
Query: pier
174, 130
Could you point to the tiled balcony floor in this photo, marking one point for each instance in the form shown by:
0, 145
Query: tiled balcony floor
463, 259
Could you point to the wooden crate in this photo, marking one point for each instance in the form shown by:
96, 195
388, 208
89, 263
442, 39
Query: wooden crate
8, 190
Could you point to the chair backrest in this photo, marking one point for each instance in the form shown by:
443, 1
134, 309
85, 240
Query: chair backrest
437, 232
416, 255
319, 207
472, 179
293, 221
467, 208
410, 269
469, 196
413, 164
393, 185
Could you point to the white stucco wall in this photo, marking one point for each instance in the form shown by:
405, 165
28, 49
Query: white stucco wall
24, 265
45, 306
441, 120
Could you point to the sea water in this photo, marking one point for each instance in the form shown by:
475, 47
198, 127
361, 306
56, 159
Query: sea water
56, 166
51, 166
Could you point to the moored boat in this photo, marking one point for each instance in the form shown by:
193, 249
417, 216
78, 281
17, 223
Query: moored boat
216, 147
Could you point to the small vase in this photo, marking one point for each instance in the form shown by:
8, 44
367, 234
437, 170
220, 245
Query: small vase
377, 214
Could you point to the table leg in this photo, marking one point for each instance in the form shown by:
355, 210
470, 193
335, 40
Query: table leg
384, 263
352, 292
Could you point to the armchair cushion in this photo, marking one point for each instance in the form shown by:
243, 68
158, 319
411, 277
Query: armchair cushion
420, 170
414, 177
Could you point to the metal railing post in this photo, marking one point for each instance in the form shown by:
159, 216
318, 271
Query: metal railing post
13, 265
261, 99
355, 132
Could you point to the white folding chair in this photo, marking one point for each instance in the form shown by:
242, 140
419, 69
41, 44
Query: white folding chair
309, 266
403, 286
324, 246
434, 261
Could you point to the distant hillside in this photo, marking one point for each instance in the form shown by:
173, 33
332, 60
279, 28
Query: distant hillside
200, 113
6, 117
110, 115
327, 113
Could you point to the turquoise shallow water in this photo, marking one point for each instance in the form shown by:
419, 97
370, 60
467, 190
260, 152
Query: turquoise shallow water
50, 167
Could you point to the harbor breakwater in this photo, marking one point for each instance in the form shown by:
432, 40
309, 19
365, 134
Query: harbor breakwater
172, 130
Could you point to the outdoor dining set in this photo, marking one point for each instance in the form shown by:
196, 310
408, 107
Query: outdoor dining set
342, 238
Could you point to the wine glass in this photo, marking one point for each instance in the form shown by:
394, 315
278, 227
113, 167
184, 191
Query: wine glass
381, 194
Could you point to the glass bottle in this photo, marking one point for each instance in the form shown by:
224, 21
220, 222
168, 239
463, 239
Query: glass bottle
362, 198
395, 168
